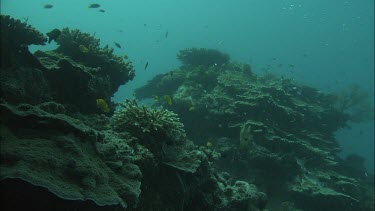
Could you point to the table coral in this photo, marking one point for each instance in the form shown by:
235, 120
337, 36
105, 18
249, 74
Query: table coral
16, 36
111, 65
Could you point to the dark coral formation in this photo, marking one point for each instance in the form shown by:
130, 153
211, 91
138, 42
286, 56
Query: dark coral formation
269, 130
16, 36
56, 75
202, 57
110, 65
31, 135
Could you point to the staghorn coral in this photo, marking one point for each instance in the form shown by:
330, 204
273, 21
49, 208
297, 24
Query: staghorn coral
70, 44
143, 122
202, 56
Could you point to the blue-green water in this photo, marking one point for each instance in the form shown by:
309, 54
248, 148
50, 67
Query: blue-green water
326, 44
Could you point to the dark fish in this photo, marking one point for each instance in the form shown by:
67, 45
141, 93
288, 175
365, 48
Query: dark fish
117, 45
166, 34
53, 35
101, 10
94, 6
144, 24
48, 6
25, 19
146, 65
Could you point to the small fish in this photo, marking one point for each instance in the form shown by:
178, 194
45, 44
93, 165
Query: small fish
53, 35
94, 6
292, 65
48, 6
166, 34
126, 57
221, 42
101, 10
83, 49
146, 65
25, 19
102, 105
145, 24
209, 144
168, 99
192, 108
117, 45
156, 98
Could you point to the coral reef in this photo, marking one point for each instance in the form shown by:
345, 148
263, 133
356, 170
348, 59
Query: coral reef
270, 131
146, 123
29, 138
55, 75
61, 148
16, 36
202, 57
110, 65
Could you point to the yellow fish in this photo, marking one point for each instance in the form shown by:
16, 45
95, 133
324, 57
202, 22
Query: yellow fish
168, 99
102, 105
83, 49
209, 144
156, 98
192, 108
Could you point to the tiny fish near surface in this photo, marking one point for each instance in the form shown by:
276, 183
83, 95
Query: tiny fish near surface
146, 65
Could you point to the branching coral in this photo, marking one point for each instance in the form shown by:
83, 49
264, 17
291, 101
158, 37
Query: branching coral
148, 123
73, 41
202, 56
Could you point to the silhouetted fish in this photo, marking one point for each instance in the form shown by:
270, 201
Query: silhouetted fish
166, 34
146, 65
53, 35
94, 6
117, 45
48, 6
101, 10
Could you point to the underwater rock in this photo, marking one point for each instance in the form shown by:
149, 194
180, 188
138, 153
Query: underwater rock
29, 138
65, 76
23, 85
